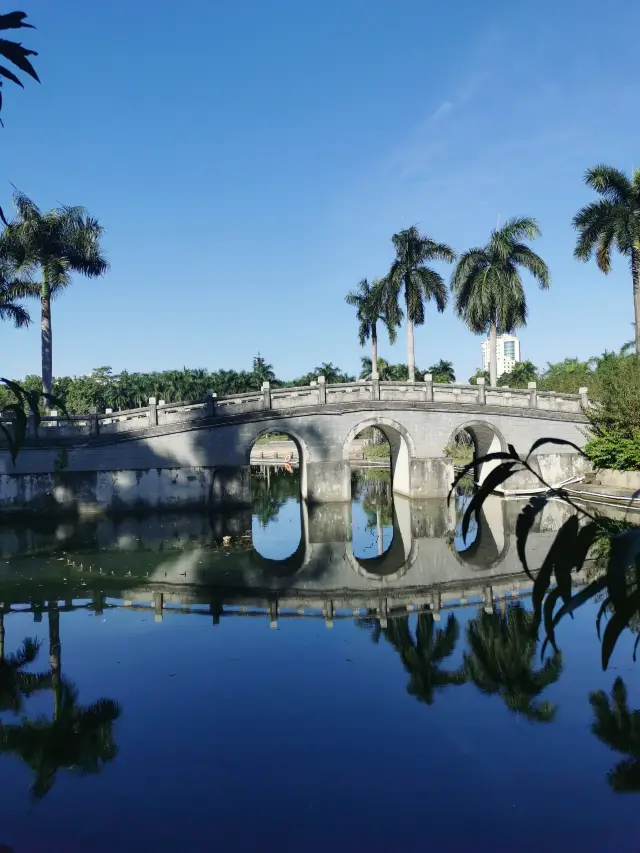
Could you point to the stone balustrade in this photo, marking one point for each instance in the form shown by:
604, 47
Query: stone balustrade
318, 393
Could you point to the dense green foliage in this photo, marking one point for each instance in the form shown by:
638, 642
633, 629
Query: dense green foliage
104, 389
615, 418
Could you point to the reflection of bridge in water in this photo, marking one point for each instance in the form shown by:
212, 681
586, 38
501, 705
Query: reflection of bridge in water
166, 561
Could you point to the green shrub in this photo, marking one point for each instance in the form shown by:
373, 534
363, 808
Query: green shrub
614, 420
610, 449
376, 451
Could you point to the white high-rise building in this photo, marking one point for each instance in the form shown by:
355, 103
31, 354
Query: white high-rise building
507, 353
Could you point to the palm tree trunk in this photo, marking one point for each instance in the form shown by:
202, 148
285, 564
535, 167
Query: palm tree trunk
493, 355
411, 358
45, 327
374, 351
55, 656
635, 273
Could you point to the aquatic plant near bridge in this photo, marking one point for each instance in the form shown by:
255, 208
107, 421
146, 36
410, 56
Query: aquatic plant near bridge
487, 286
620, 580
421, 283
613, 221
369, 302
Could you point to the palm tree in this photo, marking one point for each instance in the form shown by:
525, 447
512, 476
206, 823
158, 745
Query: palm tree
367, 369
15, 684
369, 301
422, 657
58, 243
487, 286
500, 661
442, 371
523, 372
619, 729
613, 221
77, 738
262, 371
14, 52
421, 283
12, 290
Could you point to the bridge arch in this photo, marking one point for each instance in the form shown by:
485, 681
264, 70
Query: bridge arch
398, 558
401, 446
486, 439
491, 544
301, 448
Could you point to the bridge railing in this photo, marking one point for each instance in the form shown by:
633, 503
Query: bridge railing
318, 393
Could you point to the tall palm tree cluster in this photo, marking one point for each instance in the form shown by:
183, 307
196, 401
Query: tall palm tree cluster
486, 284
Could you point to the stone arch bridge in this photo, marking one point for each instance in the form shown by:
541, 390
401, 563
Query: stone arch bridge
199, 453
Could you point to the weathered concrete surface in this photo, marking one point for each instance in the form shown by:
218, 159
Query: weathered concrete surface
214, 454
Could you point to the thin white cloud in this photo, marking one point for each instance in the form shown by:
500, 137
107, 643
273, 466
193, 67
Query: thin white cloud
443, 110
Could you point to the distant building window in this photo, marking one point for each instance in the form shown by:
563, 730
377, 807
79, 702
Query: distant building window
510, 349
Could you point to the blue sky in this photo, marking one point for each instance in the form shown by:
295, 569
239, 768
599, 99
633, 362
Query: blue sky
250, 163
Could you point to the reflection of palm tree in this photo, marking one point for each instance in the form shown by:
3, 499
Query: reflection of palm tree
502, 647
269, 494
78, 737
14, 683
422, 656
619, 729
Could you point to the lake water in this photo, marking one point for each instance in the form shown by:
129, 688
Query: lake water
292, 679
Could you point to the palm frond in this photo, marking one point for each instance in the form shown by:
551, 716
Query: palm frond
609, 182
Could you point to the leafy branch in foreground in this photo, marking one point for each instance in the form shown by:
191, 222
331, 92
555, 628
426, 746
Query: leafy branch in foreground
574, 542
13, 425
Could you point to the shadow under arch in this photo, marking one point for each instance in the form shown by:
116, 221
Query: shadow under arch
301, 448
402, 449
399, 556
491, 545
486, 439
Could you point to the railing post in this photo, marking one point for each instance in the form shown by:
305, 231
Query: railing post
487, 594
584, 399
322, 391
158, 605
533, 395
210, 409
32, 430
375, 389
482, 393
428, 387
153, 412
93, 421
436, 603
266, 395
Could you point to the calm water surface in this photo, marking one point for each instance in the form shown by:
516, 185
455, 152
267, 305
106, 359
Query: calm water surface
292, 679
